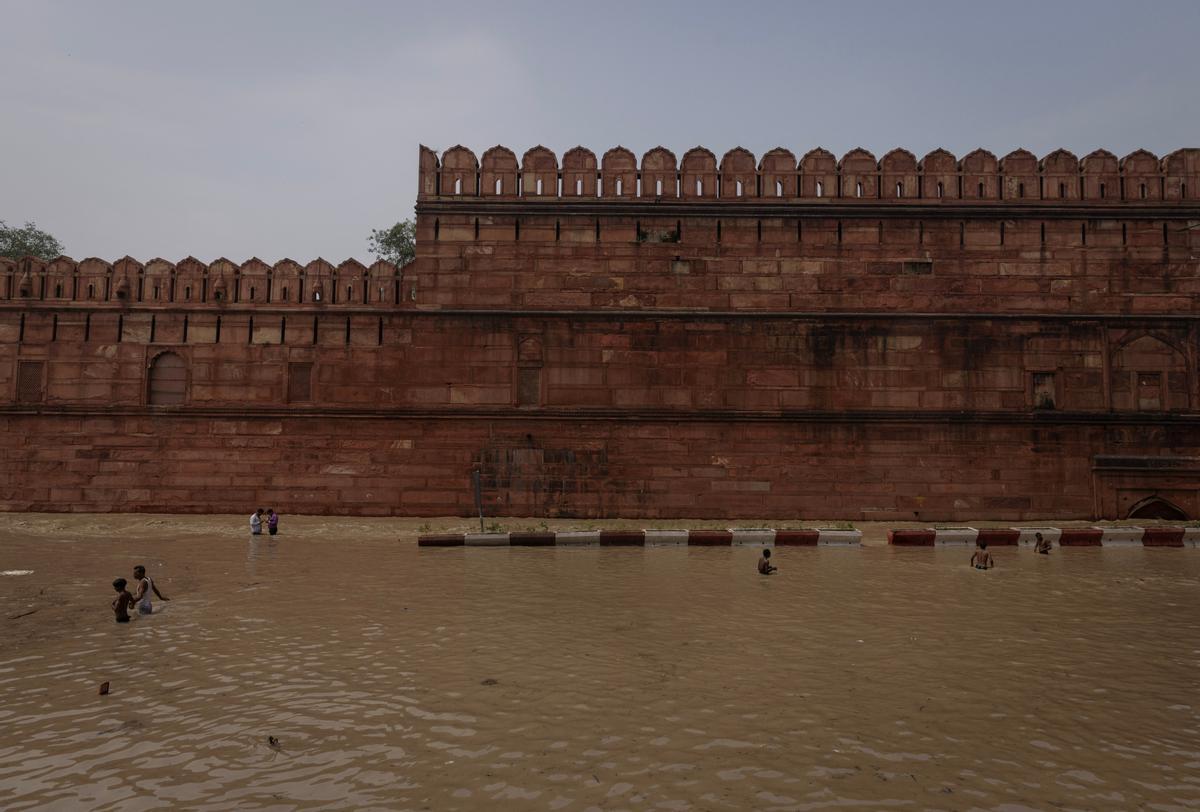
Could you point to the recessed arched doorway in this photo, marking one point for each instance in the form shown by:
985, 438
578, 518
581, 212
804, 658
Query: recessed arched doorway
1155, 507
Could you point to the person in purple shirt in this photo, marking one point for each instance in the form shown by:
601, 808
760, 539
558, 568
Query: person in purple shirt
272, 521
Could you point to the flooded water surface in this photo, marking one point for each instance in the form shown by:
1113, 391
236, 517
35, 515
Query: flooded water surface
393, 677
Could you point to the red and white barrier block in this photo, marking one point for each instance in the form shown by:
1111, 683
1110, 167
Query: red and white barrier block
1057, 536
734, 537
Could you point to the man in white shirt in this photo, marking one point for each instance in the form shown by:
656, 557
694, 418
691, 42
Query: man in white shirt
256, 522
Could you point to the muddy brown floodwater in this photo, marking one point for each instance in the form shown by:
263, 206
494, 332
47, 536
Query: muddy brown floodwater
395, 677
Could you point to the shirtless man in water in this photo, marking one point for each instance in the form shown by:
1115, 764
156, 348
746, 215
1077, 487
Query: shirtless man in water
982, 559
144, 586
765, 567
1042, 546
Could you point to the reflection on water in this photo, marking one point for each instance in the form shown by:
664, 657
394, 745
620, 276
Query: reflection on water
558, 678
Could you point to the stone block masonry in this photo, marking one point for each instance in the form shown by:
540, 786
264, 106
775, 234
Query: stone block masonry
937, 340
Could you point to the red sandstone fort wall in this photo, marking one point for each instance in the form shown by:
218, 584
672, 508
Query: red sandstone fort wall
934, 340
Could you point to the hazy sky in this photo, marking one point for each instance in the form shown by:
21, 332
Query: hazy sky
276, 129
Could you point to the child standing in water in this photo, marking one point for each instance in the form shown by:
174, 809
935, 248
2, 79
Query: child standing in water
122, 602
272, 521
982, 559
764, 564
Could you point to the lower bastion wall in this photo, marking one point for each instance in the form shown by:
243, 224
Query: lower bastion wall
597, 415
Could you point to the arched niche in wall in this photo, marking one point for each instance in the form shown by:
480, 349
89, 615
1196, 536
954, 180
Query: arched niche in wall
351, 282
1019, 174
939, 176
778, 173
1142, 178
539, 173
459, 172
95, 279
859, 175
384, 283
1060, 176
739, 174
579, 169
818, 174
1149, 374
318, 282
59, 276
498, 172
254, 281
1181, 174
980, 175
1101, 176
166, 380
698, 173
158, 278
618, 173
191, 281
1157, 507
287, 282
898, 175
660, 173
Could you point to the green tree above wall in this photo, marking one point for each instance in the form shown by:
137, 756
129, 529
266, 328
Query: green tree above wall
397, 245
29, 241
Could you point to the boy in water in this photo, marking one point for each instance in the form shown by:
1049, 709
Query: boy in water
144, 587
122, 602
764, 564
982, 559
1041, 546
272, 521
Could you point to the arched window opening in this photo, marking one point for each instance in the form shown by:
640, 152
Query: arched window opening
317, 293
820, 189
91, 291
940, 189
779, 188
187, 293
737, 188
620, 187
858, 190
498, 186
1102, 190
349, 293
285, 296
58, 291
899, 190
458, 186
658, 188
1062, 190
1143, 191
539, 186
579, 186
981, 188
251, 293
1020, 190
167, 380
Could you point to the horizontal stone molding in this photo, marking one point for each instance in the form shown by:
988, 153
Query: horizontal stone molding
849, 416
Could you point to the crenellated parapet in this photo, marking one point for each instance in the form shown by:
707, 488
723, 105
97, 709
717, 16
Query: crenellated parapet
1099, 177
190, 282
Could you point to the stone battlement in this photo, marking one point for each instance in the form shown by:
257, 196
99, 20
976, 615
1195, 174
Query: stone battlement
1100, 177
92, 281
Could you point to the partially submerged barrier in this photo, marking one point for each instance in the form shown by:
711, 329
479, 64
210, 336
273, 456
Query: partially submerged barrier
733, 537
1058, 537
